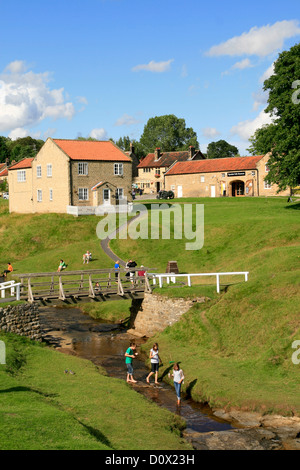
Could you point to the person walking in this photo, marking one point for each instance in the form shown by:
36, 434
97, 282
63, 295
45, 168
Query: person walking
130, 354
117, 269
155, 359
178, 378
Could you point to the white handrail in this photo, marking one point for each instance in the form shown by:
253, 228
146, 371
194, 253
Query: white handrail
172, 276
12, 285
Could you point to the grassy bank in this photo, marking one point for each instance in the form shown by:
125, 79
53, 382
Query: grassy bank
236, 350
43, 408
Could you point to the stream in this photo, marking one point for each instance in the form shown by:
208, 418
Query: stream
73, 332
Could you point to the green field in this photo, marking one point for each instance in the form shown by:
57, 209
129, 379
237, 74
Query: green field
235, 350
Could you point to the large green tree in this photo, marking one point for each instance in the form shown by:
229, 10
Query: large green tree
168, 133
24, 147
282, 137
221, 149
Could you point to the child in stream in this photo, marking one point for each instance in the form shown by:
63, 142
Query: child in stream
155, 359
130, 354
178, 380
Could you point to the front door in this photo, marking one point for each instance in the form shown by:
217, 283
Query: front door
106, 196
213, 191
179, 191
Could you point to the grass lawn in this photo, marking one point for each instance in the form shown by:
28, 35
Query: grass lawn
42, 408
236, 350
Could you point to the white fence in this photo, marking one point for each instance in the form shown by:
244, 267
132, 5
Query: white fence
11, 286
172, 277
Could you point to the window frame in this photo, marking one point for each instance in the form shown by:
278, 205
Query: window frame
83, 191
118, 169
83, 169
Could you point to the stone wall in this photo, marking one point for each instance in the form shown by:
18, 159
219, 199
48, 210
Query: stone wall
156, 312
22, 320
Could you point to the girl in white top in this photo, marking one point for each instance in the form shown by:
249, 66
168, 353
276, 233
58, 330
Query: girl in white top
154, 356
178, 380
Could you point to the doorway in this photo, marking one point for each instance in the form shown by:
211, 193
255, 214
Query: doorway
237, 188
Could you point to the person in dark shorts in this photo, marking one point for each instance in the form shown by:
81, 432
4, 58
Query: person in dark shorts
155, 359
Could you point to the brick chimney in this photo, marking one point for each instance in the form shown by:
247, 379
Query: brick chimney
131, 147
191, 151
157, 154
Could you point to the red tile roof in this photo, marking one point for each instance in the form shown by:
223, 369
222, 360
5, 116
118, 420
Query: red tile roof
92, 150
166, 159
3, 173
214, 165
25, 163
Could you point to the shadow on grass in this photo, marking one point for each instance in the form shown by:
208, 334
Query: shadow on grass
28, 389
97, 434
295, 207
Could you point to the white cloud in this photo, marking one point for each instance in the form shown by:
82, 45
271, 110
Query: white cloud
267, 74
245, 129
242, 64
156, 67
26, 99
258, 41
99, 134
126, 120
210, 132
17, 133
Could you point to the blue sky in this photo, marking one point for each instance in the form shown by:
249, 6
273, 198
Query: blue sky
102, 68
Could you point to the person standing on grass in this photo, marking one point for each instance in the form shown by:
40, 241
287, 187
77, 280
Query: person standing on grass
155, 359
178, 380
130, 355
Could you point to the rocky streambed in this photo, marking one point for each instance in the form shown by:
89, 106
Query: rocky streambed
72, 332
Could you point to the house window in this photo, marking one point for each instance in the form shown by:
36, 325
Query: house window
202, 179
118, 169
267, 169
120, 193
253, 173
223, 175
146, 170
39, 171
49, 170
267, 185
39, 195
83, 194
50, 194
83, 168
21, 176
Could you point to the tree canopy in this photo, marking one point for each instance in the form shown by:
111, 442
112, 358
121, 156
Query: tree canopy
221, 149
282, 137
168, 133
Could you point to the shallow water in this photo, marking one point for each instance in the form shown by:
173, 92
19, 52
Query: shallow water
104, 344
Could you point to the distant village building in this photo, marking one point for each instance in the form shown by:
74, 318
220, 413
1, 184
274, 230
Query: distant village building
234, 177
70, 173
151, 169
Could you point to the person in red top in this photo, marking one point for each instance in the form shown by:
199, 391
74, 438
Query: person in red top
141, 272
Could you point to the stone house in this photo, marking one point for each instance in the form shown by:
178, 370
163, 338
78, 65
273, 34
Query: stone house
151, 169
235, 177
68, 174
